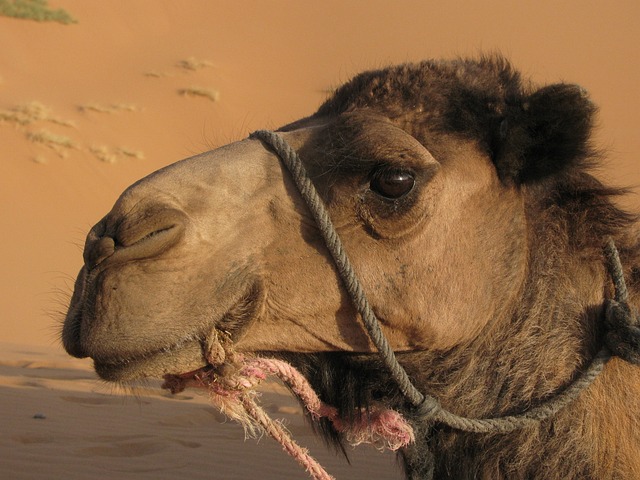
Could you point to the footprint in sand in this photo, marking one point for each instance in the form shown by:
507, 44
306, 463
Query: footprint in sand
194, 418
93, 400
27, 383
131, 446
125, 449
32, 438
186, 443
99, 400
117, 438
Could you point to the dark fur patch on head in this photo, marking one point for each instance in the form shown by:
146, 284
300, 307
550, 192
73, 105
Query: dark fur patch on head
529, 133
545, 134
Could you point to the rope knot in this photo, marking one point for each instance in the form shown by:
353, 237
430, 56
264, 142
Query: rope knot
623, 331
428, 408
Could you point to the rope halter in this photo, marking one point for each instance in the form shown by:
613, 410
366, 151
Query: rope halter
622, 321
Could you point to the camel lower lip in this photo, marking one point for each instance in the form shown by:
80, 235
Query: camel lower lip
187, 358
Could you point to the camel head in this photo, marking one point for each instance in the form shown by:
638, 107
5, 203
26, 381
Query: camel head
423, 169
462, 198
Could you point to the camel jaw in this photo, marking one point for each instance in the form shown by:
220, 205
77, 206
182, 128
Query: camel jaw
196, 353
204, 345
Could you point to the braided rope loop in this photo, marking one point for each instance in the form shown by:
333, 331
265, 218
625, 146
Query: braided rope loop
615, 270
534, 415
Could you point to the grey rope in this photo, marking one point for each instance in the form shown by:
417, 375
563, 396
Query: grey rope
622, 321
310, 195
428, 409
614, 266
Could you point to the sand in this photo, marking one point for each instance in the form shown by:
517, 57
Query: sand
91, 107
59, 422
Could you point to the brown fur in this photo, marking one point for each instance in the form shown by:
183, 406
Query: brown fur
488, 276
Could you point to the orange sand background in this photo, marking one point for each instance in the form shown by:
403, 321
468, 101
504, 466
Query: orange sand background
271, 62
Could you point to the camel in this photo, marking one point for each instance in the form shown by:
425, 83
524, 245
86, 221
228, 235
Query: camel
463, 196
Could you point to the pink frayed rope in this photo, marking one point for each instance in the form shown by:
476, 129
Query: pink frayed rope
383, 427
235, 395
282, 436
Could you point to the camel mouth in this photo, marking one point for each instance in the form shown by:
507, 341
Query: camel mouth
202, 377
219, 364
184, 356
206, 346
195, 355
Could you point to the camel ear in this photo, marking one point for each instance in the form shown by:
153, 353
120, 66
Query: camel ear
546, 134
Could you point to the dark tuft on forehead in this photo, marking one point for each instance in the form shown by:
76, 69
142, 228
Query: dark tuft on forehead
465, 97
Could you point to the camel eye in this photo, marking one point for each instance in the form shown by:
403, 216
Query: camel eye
392, 183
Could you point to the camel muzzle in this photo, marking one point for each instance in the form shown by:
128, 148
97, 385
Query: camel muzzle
133, 237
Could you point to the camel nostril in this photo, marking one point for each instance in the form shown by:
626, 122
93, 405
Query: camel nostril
149, 234
98, 250
98, 245
134, 236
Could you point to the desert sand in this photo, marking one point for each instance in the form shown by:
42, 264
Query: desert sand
90, 107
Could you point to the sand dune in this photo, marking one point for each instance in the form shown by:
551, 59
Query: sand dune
88, 108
